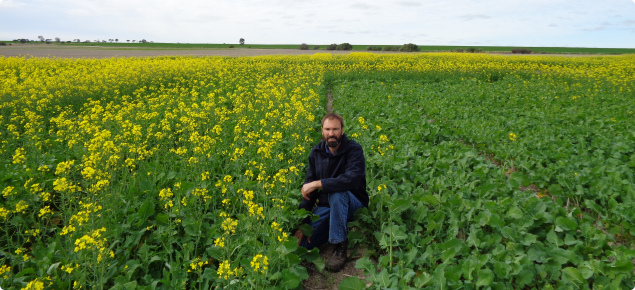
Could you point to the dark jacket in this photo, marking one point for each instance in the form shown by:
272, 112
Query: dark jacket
344, 171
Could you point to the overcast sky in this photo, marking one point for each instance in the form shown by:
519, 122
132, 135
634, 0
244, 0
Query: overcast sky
573, 23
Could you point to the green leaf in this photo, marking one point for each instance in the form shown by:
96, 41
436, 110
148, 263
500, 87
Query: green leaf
214, 252
469, 265
307, 230
439, 276
528, 239
624, 267
52, 267
365, 264
411, 256
291, 244
515, 213
399, 205
502, 269
422, 280
352, 283
319, 264
496, 222
448, 254
572, 275
485, 277
524, 278
431, 199
311, 255
383, 279
567, 224
131, 285
290, 279
191, 230
146, 210
397, 232
163, 218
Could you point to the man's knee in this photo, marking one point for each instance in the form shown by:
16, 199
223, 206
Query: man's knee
338, 197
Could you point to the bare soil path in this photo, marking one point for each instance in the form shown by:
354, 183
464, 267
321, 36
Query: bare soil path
70, 51
103, 52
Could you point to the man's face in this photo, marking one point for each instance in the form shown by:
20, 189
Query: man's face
332, 132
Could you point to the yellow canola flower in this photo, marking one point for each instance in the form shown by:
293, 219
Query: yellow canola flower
224, 270
4, 213
259, 263
19, 156
5, 269
34, 285
8, 191
229, 226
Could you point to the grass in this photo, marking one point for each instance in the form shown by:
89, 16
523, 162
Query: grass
360, 47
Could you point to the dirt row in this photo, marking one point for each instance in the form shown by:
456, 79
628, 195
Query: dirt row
108, 52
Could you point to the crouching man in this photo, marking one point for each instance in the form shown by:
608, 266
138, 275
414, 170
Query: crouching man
334, 188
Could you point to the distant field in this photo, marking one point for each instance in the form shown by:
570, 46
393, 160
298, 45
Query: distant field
359, 47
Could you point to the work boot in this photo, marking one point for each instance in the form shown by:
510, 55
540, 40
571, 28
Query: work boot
338, 259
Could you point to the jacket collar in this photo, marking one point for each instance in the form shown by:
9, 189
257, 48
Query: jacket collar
343, 147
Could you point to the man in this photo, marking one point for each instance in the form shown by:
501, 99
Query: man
336, 181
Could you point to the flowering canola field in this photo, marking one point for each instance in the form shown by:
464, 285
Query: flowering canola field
184, 172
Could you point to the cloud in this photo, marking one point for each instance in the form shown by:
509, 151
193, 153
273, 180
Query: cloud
598, 28
552, 25
413, 3
352, 32
78, 12
469, 17
361, 6
10, 4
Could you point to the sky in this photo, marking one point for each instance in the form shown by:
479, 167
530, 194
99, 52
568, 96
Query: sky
526, 23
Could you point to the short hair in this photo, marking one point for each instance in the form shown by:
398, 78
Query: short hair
333, 116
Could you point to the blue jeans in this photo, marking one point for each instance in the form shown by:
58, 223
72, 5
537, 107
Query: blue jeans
331, 226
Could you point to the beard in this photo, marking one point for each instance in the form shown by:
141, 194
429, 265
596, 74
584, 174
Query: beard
333, 142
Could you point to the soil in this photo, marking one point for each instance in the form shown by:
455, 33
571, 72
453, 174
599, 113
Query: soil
327, 280
70, 51
107, 52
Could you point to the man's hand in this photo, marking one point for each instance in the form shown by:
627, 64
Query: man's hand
307, 188
298, 234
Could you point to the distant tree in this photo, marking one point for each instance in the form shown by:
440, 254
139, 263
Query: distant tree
133, 41
332, 46
57, 39
22, 40
116, 39
304, 46
128, 40
410, 47
143, 41
242, 41
344, 46
41, 38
